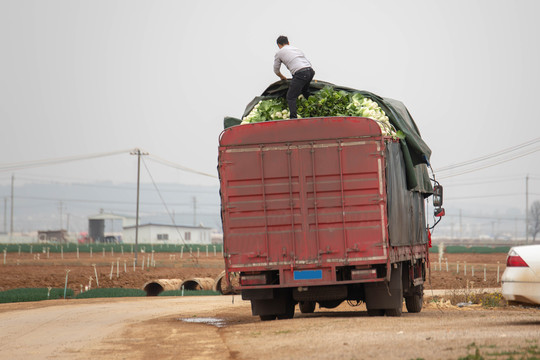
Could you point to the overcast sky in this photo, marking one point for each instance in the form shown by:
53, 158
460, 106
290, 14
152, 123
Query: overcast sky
84, 77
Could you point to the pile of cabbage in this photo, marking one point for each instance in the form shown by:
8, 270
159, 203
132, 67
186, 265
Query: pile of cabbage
326, 102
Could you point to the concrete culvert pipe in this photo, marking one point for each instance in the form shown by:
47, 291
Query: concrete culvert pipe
198, 284
155, 287
221, 284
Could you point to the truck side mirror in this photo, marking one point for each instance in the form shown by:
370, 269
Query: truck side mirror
437, 196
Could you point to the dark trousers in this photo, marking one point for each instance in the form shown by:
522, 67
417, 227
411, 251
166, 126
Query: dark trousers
299, 85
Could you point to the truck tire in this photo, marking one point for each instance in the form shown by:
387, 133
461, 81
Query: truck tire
267, 317
414, 302
307, 307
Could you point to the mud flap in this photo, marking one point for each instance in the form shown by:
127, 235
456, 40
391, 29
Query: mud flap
380, 296
280, 303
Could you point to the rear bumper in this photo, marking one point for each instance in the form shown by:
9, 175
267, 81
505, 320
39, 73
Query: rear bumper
523, 292
308, 283
314, 276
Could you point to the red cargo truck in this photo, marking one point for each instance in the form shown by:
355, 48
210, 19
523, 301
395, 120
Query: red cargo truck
318, 211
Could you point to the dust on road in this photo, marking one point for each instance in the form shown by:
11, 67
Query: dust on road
156, 328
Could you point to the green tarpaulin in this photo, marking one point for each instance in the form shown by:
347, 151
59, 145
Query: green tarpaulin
416, 153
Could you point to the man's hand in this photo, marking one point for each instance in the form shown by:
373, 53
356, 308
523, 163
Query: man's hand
281, 76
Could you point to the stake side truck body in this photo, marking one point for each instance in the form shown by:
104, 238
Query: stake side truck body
317, 211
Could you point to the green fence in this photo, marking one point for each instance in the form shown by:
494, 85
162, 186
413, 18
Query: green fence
33, 294
121, 292
38, 294
110, 292
116, 248
170, 248
457, 249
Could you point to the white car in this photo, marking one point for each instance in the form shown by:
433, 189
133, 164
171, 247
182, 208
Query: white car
521, 279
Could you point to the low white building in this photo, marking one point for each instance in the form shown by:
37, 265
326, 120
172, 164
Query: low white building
168, 234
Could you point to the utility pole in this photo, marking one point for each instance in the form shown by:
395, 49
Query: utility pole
5, 215
60, 208
138, 153
11, 225
527, 209
460, 226
194, 211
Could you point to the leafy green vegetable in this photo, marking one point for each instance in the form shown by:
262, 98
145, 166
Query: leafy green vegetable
265, 110
325, 102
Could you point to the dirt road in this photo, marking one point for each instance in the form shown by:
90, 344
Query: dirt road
216, 328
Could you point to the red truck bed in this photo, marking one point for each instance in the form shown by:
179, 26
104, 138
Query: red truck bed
304, 194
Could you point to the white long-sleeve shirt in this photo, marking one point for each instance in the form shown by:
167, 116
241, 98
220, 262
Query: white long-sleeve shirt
293, 58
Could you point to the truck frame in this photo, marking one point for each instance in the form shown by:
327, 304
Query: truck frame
317, 211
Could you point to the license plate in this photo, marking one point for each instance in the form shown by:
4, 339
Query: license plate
308, 275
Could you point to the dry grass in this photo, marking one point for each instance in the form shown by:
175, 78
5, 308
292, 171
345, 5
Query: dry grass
473, 297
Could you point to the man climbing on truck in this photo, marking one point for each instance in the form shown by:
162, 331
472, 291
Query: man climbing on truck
300, 68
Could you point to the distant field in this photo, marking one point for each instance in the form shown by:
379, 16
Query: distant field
108, 268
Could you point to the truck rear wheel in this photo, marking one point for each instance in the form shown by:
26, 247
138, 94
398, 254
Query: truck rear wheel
414, 302
307, 307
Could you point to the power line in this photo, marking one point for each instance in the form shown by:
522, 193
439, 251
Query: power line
481, 196
487, 196
164, 204
178, 166
490, 164
51, 178
479, 217
53, 161
489, 156
116, 187
482, 182
93, 201
61, 160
